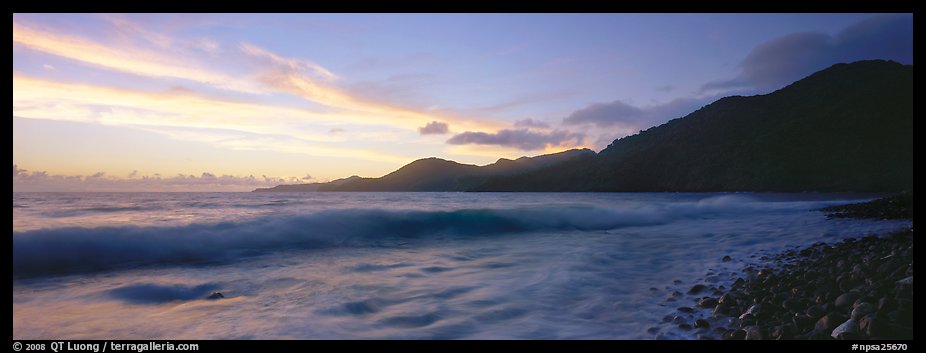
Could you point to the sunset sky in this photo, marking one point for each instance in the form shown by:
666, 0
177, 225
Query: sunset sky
186, 102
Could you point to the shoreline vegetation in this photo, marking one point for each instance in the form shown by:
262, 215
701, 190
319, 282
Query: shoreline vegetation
858, 288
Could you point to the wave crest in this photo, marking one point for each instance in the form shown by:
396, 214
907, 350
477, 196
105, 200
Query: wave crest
75, 250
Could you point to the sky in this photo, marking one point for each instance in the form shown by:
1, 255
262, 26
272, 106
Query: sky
231, 102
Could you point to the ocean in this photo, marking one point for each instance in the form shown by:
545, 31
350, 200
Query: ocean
391, 265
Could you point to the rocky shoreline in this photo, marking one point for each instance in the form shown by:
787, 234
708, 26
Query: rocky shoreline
899, 206
859, 288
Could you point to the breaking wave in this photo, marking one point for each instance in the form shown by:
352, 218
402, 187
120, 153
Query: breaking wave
76, 250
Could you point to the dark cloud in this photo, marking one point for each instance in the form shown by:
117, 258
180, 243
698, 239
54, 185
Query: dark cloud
523, 139
531, 123
605, 114
434, 128
779, 62
622, 116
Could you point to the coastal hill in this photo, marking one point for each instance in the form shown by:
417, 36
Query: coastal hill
846, 128
306, 187
435, 174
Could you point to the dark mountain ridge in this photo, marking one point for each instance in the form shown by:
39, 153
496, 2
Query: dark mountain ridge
845, 128
436, 174
306, 187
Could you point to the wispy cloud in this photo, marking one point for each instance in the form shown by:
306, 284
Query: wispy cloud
45, 99
129, 31
311, 82
268, 73
227, 124
133, 60
290, 65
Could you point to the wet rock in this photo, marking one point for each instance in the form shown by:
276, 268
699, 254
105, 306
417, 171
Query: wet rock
737, 335
753, 333
782, 332
818, 335
885, 304
861, 310
698, 288
740, 282
720, 310
699, 323
752, 311
871, 326
792, 304
684, 326
726, 299
846, 299
850, 326
861, 300
733, 322
858, 289
829, 321
707, 302
686, 309
215, 295
652, 330
727, 258
816, 311
848, 336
